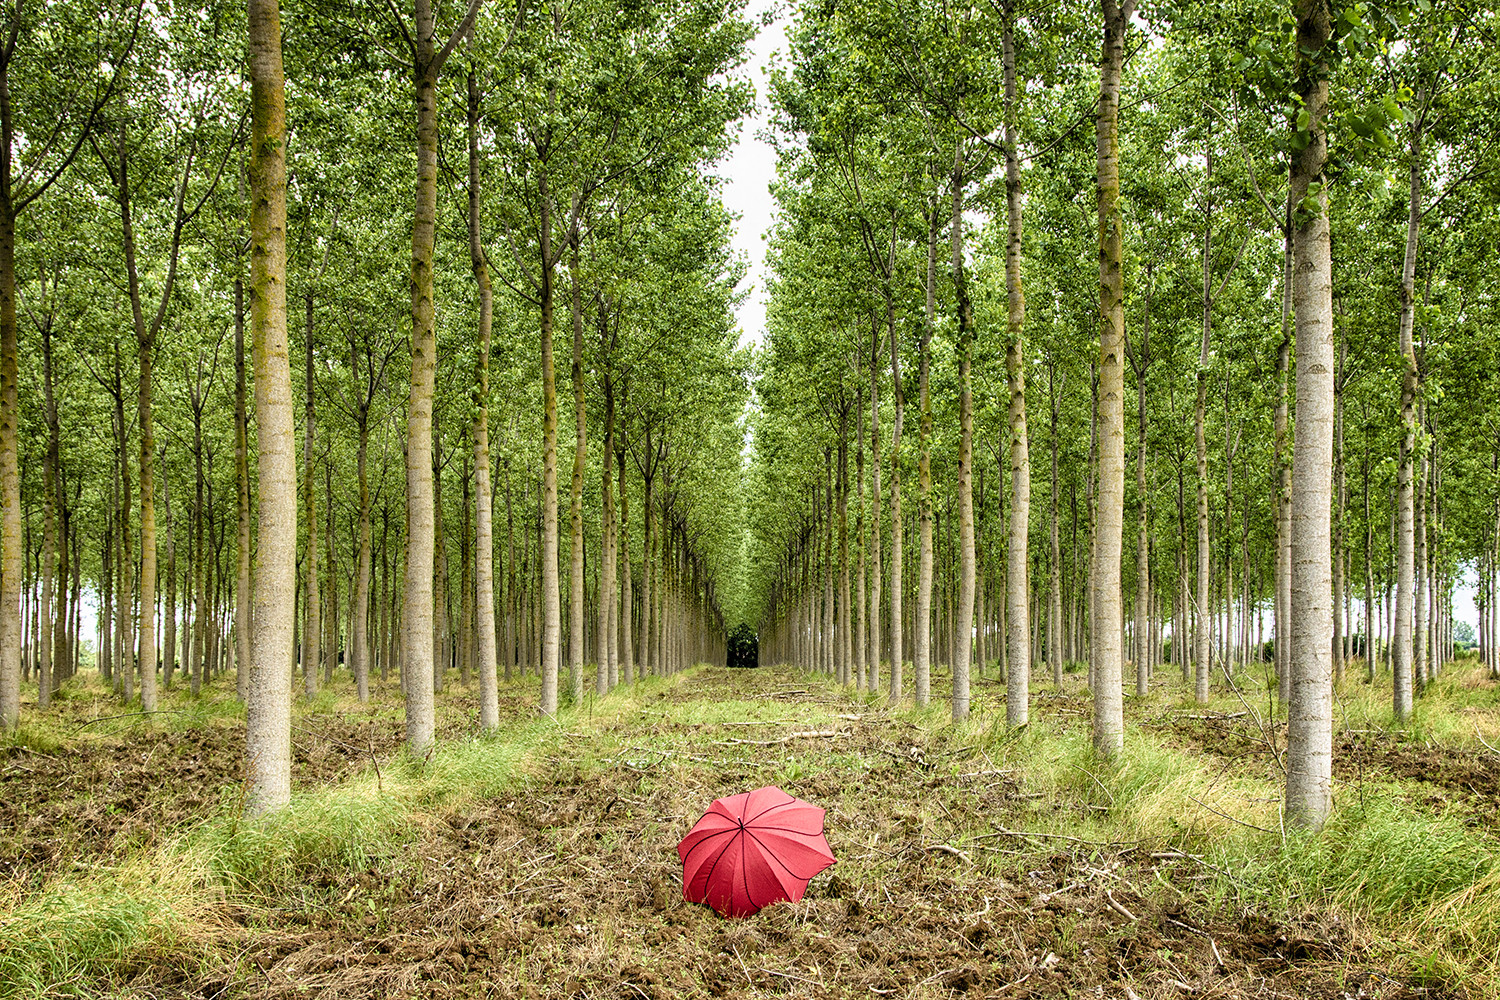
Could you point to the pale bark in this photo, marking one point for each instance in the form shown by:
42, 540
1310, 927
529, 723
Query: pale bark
1054, 590
922, 656
844, 639
1203, 637
359, 643
484, 542
44, 677
897, 580
417, 659
1105, 651
627, 596
861, 611
1309, 758
575, 519
1144, 644
551, 600
1018, 549
964, 626
876, 568
242, 596
269, 723
10, 466
311, 609
1402, 644
1280, 423
608, 674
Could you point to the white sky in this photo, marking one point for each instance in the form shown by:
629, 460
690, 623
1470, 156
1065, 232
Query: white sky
748, 174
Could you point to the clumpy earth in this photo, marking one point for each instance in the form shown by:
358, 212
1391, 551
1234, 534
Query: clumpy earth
570, 885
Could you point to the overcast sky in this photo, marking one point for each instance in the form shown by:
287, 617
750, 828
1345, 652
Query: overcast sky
749, 171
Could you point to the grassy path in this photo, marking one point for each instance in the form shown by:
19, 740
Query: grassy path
542, 863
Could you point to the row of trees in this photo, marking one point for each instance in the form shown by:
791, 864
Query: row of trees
559, 163
933, 168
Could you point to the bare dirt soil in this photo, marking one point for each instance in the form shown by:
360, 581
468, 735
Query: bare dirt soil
571, 887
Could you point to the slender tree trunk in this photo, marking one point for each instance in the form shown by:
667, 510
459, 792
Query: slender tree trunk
311, 609
242, 596
627, 596
580, 460
169, 627
1339, 560
898, 584
417, 625
1055, 608
861, 610
844, 639
484, 542
49, 527
1419, 562
551, 600
1204, 635
10, 466
1109, 731
1018, 550
877, 639
126, 661
1309, 759
269, 722
922, 659
964, 627
609, 670
359, 644
1402, 645
1281, 424
1143, 642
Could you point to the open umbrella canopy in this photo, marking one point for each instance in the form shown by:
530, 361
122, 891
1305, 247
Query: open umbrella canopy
751, 850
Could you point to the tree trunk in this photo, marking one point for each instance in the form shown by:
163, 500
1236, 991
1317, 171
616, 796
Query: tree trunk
269, 723
359, 634
1018, 550
922, 658
963, 631
1402, 645
484, 542
1309, 760
417, 636
877, 643
551, 600
1203, 644
49, 526
1281, 422
1055, 603
1143, 619
1107, 638
169, 628
627, 596
898, 583
242, 598
608, 674
311, 610
861, 612
442, 658
575, 522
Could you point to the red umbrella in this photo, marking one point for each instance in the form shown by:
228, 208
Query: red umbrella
751, 850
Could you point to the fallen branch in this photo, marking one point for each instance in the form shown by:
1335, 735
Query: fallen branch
1056, 836
1118, 907
944, 848
1265, 736
809, 734
1482, 739
1217, 715
1229, 817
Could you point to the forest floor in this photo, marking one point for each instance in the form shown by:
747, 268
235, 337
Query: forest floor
542, 862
